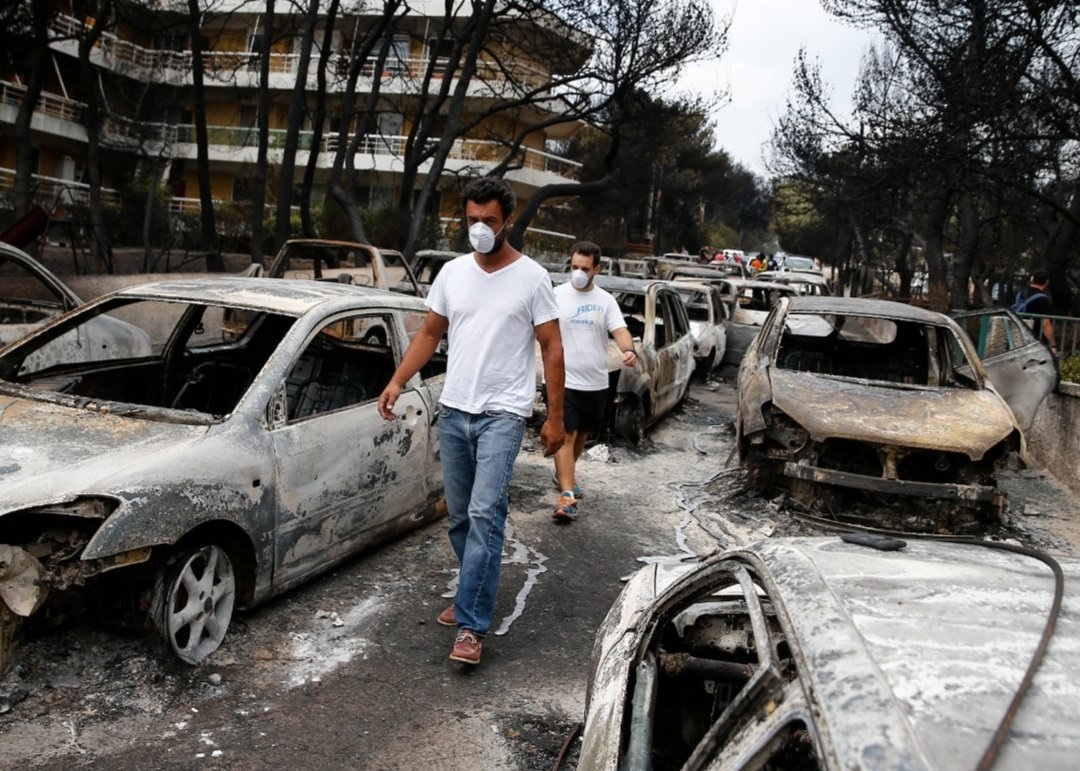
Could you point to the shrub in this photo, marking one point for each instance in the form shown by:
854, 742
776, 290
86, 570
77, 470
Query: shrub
1070, 369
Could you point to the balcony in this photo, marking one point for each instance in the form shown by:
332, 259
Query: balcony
52, 191
467, 151
241, 67
64, 117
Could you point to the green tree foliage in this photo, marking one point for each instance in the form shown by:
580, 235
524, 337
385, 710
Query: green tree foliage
962, 142
671, 187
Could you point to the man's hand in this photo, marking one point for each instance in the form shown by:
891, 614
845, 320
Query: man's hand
387, 400
629, 358
552, 436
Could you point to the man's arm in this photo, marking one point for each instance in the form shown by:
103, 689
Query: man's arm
420, 351
1048, 334
626, 345
553, 432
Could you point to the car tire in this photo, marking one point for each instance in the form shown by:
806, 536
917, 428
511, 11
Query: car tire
193, 598
630, 421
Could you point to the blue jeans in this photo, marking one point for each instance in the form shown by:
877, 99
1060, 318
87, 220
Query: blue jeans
478, 453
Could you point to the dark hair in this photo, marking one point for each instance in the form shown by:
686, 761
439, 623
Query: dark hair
484, 189
587, 249
1039, 277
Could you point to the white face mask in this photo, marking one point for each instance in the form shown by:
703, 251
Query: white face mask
579, 279
482, 237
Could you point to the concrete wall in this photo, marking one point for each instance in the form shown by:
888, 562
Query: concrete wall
1054, 439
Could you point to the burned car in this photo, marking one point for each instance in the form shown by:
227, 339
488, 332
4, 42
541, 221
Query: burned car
749, 303
321, 259
222, 467
31, 295
657, 320
819, 653
708, 317
883, 400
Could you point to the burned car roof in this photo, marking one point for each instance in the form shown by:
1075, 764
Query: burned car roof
294, 296
861, 306
898, 659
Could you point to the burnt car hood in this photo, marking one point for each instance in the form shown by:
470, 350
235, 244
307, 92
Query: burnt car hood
53, 453
933, 419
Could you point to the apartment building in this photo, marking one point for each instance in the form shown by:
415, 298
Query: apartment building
143, 83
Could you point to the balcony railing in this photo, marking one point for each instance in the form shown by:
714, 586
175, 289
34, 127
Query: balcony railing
50, 191
219, 63
48, 104
480, 150
114, 131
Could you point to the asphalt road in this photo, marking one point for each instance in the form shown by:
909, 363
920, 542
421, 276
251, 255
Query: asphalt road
351, 671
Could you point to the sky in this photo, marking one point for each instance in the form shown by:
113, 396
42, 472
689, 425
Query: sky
756, 69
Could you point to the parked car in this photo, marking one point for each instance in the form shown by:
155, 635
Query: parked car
348, 262
31, 295
636, 268
884, 400
221, 468
1020, 367
708, 318
710, 271
749, 302
609, 266
817, 653
428, 262
805, 282
796, 262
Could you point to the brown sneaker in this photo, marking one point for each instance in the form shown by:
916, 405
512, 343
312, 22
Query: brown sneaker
466, 647
447, 617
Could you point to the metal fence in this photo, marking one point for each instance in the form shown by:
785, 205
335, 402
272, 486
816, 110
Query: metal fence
1066, 332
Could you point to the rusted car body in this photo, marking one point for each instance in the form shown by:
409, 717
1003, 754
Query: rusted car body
429, 262
804, 281
222, 468
31, 295
709, 271
657, 320
344, 261
816, 653
880, 398
749, 302
708, 323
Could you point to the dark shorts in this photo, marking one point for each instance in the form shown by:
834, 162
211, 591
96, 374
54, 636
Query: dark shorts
584, 410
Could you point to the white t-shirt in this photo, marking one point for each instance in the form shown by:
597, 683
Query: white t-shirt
493, 318
585, 319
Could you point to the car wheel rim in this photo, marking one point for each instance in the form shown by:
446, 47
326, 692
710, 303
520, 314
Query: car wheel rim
200, 604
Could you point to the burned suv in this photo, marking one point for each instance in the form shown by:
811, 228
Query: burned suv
885, 401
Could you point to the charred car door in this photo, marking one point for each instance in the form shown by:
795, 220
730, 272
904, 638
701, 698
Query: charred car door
1020, 367
346, 477
674, 348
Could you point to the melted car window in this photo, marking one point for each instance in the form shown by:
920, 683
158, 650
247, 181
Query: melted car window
864, 347
177, 355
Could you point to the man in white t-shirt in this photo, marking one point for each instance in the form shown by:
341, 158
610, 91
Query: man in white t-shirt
586, 315
493, 303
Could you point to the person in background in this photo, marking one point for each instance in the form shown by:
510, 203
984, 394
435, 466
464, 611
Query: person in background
586, 315
493, 303
1038, 301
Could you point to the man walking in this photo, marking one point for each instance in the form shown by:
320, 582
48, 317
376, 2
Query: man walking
494, 302
586, 315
